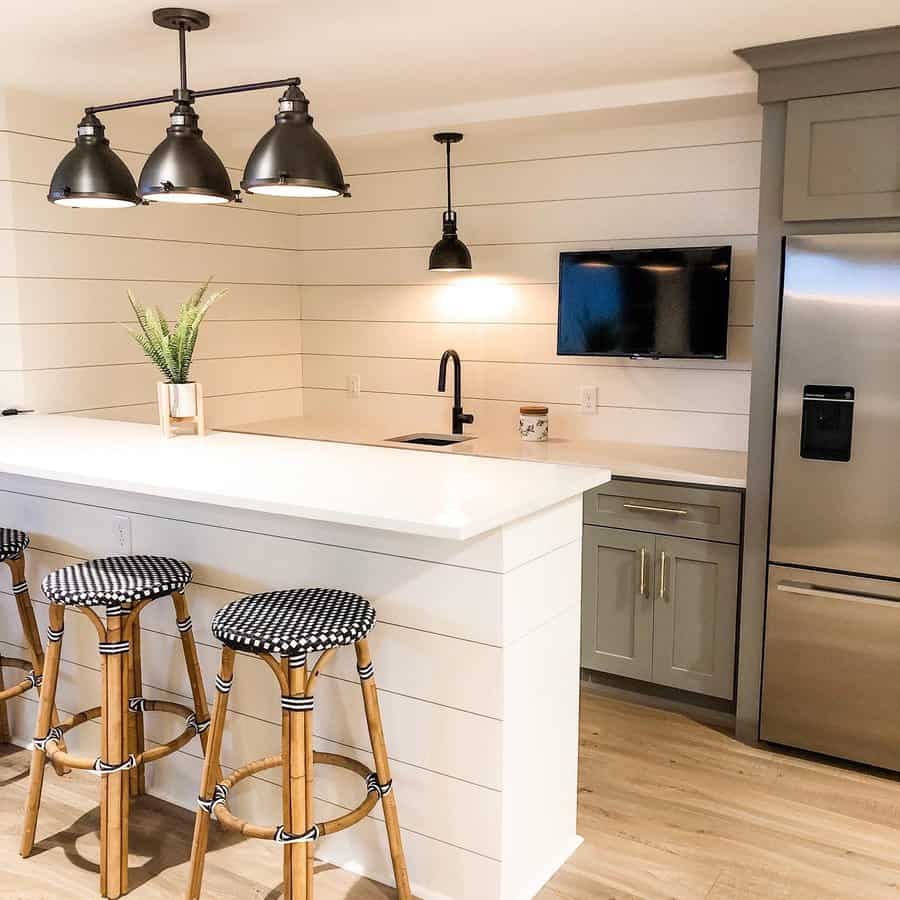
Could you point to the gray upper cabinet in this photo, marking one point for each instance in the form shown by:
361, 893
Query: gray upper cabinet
694, 615
842, 157
617, 609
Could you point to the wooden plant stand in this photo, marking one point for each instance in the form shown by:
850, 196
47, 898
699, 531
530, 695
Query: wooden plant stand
171, 425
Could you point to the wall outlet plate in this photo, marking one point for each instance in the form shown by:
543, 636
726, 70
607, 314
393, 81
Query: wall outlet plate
122, 534
353, 384
587, 399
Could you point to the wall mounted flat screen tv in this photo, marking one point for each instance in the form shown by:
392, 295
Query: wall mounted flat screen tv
644, 303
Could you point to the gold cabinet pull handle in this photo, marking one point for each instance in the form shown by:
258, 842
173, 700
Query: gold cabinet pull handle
662, 575
644, 572
656, 509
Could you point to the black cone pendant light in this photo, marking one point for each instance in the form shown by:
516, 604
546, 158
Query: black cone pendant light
90, 174
449, 254
291, 160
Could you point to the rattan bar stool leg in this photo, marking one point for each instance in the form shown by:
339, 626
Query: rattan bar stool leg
31, 632
297, 881
195, 674
115, 786
4, 717
211, 769
136, 777
46, 709
382, 769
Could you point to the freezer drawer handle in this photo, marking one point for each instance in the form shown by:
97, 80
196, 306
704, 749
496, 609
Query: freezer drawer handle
808, 590
659, 509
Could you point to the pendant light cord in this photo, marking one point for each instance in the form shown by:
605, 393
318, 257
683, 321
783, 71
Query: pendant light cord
182, 55
449, 205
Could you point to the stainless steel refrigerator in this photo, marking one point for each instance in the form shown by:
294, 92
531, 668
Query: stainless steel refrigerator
831, 670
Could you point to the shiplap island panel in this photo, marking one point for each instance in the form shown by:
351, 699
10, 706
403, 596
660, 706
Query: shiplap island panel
472, 564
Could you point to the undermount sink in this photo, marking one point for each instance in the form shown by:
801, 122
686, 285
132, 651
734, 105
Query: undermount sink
431, 440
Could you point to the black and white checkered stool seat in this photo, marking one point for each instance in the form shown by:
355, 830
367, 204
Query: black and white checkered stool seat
116, 579
12, 543
294, 621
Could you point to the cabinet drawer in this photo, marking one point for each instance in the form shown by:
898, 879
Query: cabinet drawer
666, 509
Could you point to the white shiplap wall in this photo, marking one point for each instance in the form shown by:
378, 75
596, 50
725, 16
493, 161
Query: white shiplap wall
669, 175
64, 274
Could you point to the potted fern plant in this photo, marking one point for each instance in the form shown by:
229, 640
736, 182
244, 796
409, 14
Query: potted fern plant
171, 347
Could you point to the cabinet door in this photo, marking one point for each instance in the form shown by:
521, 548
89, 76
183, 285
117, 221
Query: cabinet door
841, 157
694, 617
617, 604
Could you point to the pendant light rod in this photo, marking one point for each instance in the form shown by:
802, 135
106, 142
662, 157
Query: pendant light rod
209, 92
182, 55
449, 199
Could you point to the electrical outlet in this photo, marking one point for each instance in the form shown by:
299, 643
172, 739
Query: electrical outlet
353, 386
122, 529
587, 399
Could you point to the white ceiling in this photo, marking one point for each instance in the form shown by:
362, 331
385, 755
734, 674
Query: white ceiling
382, 65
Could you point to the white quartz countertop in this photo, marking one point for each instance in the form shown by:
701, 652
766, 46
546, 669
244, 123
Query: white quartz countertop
434, 495
684, 465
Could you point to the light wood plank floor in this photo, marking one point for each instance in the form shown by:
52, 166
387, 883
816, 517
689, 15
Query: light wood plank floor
669, 808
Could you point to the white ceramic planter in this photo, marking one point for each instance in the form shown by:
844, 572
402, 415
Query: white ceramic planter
182, 400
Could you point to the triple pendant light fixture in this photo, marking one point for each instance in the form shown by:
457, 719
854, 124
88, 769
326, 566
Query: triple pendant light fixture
449, 254
291, 160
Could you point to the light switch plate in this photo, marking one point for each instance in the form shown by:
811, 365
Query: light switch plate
122, 534
587, 399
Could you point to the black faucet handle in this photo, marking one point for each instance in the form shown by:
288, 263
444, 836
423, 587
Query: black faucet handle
466, 418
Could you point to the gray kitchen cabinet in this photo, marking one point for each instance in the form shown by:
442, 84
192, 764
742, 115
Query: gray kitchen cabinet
657, 606
842, 157
617, 607
694, 615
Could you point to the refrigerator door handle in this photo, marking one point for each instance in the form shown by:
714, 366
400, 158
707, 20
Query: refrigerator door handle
809, 590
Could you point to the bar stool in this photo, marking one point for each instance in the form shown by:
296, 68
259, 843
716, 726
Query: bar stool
12, 552
293, 623
124, 585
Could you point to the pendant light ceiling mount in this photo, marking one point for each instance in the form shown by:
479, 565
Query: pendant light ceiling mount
449, 254
291, 160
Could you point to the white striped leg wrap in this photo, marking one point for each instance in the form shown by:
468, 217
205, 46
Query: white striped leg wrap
36, 680
366, 671
285, 837
53, 635
373, 785
297, 704
20, 588
223, 686
220, 793
113, 648
54, 734
101, 767
137, 704
297, 661
199, 727
113, 610
184, 625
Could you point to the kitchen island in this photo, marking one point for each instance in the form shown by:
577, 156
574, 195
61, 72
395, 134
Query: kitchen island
473, 565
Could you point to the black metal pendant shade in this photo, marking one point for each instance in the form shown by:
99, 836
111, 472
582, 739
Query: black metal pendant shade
91, 174
449, 254
184, 168
292, 159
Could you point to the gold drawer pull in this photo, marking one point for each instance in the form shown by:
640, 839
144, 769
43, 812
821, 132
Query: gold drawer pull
658, 509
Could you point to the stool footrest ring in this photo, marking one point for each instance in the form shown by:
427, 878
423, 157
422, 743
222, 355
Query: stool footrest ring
278, 833
26, 684
99, 766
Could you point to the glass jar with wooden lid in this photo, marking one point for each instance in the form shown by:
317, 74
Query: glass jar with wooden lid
534, 423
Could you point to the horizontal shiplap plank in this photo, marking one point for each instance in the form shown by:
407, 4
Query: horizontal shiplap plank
396, 414
486, 342
471, 300
70, 345
93, 387
498, 263
625, 386
668, 170
25, 206
62, 300
33, 254
608, 219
